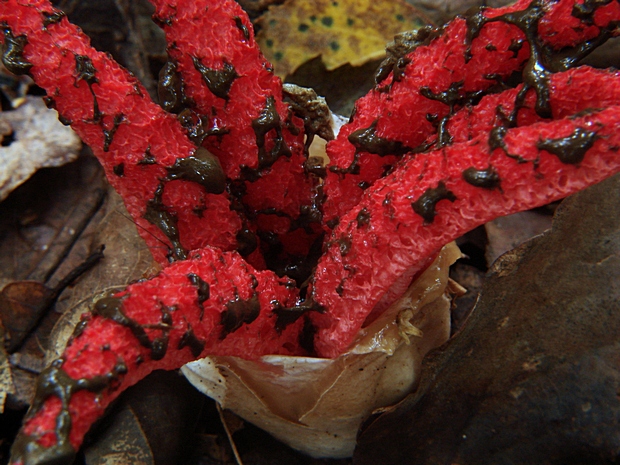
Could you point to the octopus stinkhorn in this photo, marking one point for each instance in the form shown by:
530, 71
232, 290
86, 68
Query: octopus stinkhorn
267, 251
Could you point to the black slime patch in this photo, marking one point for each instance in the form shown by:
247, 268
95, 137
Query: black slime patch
52, 17
396, 60
148, 158
170, 89
570, 149
157, 215
242, 27
363, 218
496, 141
543, 59
288, 315
344, 244
367, 140
307, 105
515, 47
189, 339
450, 97
86, 72
202, 167
487, 178
119, 170
203, 290
80, 327
269, 120
54, 381
247, 242
111, 308
218, 81
108, 134
13, 52
237, 313
425, 205
585, 11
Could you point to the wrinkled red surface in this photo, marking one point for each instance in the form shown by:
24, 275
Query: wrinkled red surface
207, 30
379, 238
396, 240
401, 114
145, 126
103, 344
284, 186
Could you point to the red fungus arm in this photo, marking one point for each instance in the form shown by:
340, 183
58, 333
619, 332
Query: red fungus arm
223, 77
139, 145
431, 199
211, 304
507, 155
448, 69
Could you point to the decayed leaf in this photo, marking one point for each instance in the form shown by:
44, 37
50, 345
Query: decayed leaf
6, 380
316, 405
113, 448
507, 232
471, 279
126, 259
343, 31
21, 305
32, 138
42, 223
151, 424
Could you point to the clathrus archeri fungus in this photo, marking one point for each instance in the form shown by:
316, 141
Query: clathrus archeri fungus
265, 251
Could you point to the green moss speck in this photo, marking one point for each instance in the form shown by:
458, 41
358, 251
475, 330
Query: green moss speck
313, 18
269, 43
303, 27
278, 56
327, 21
400, 17
350, 22
334, 46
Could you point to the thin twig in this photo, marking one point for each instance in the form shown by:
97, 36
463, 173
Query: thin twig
228, 434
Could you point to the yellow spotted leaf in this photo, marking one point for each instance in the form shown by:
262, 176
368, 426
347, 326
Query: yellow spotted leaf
340, 31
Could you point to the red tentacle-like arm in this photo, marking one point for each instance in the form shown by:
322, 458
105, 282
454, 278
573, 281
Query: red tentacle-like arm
259, 141
212, 303
431, 199
480, 156
445, 71
143, 149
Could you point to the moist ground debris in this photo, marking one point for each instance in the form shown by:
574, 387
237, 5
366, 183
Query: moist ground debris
534, 375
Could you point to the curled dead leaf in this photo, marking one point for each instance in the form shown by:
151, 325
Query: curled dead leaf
317, 405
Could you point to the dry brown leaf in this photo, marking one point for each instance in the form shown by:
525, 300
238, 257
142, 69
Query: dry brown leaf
150, 424
113, 448
127, 259
508, 232
21, 305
